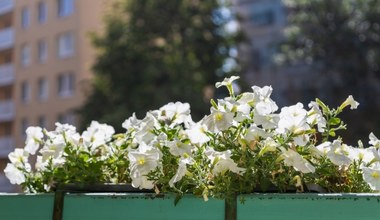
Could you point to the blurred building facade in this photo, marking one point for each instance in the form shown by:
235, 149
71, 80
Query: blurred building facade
45, 61
263, 22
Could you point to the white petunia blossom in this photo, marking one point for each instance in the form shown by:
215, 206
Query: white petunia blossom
178, 148
175, 113
255, 133
19, 157
227, 81
372, 176
143, 160
351, 102
222, 162
269, 145
315, 116
14, 175
197, 133
365, 155
181, 171
97, 134
294, 159
218, 120
264, 105
323, 148
131, 123
374, 141
34, 137
293, 119
339, 153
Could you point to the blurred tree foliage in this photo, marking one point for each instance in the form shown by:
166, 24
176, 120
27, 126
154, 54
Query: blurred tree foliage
341, 39
157, 51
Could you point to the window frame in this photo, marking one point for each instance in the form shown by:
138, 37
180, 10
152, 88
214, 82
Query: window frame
66, 45
65, 8
42, 12
25, 17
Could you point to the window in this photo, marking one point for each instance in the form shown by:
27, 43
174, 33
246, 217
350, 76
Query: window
263, 18
66, 84
42, 122
24, 126
43, 89
42, 12
67, 118
42, 51
65, 7
25, 17
65, 45
25, 55
25, 92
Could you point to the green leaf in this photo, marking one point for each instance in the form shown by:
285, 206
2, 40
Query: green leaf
334, 121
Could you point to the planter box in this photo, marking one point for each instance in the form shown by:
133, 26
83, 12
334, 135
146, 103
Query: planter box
26, 206
140, 206
309, 206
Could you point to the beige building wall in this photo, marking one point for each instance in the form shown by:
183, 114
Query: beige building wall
35, 92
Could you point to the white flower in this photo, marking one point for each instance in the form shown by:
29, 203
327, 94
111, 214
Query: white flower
264, 105
175, 113
14, 175
365, 155
53, 147
227, 81
218, 120
66, 129
34, 137
97, 134
339, 153
269, 145
178, 148
294, 159
301, 140
131, 122
374, 141
141, 181
143, 160
266, 121
372, 176
315, 116
241, 109
351, 102
255, 133
324, 148
19, 157
144, 132
293, 119
197, 134
181, 171
222, 162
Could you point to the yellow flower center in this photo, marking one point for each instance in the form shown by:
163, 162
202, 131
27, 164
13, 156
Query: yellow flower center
375, 175
141, 161
218, 116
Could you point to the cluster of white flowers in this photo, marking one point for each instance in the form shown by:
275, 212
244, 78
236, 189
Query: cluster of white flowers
243, 139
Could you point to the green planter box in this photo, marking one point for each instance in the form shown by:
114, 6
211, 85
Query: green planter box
26, 206
137, 206
309, 206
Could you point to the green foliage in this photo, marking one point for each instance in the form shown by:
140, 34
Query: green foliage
157, 51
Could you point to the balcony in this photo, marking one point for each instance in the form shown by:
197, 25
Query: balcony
6, 110
6, 6
6, 74
6, 38
6, 146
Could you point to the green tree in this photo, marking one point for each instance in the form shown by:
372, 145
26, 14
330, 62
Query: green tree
157, 51
340, 39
